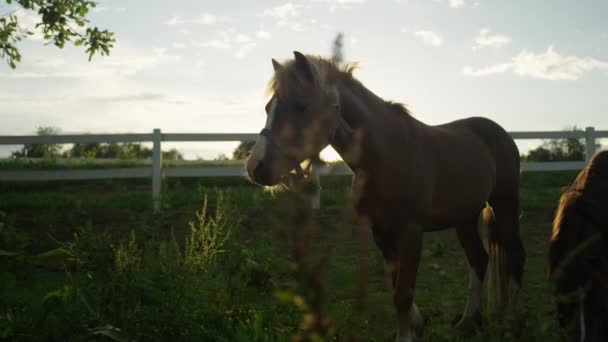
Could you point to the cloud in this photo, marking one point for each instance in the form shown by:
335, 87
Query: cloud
122, 62
494, 69
28, 99
485, 39
548, 65
244, 50
202, 19
230, 38
129, 98
340, 4
261, 34
104, 8
110, 98
214, 43
429, 37
242, 38
456, 3
52, 62
288, 15
283, 11
294, 25
200, 64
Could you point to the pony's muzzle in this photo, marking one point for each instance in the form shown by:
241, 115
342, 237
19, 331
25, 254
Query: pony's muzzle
257, 164
261, 170
262, 174
267, 165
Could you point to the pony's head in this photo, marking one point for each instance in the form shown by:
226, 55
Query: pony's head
593, 179
578, 252
597, 172
302, 116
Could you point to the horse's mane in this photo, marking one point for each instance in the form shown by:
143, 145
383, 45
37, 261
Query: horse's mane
326, 72
587, 196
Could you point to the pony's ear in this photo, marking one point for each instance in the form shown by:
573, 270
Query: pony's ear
276, 65
303, 66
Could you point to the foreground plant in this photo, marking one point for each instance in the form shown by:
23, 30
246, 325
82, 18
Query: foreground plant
58, 22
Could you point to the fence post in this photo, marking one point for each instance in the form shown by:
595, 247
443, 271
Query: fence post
589, 143
316, 179
156, 167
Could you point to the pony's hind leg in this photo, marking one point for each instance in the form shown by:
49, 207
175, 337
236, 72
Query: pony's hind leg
401, 250
408, 317
507, 258
468, 235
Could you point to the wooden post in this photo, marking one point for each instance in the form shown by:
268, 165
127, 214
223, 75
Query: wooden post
589, 143
316, 179
156, 167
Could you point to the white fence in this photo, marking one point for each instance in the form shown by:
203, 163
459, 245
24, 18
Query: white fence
157, 172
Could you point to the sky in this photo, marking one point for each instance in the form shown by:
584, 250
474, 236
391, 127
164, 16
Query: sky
202, 66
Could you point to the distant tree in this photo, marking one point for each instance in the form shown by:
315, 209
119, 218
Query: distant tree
60, 21
243, 150
172, 154
222, 157
83, 150
569, 149
127, 151
134, 151
46, 151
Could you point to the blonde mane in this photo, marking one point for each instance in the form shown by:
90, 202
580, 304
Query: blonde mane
325, 71
287, 81
589, 189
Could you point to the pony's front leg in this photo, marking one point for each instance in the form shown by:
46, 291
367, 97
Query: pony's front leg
408, 258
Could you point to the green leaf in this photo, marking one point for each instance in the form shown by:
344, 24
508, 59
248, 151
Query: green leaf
58, 294
7, 331
55, 20
283, 296
57, 252
109, 331
7, 253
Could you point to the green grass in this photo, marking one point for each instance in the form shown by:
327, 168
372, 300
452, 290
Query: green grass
44, 212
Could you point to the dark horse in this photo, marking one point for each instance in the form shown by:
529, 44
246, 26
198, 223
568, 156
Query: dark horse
578, 254
409, 177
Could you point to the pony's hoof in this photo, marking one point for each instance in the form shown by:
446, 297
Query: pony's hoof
469, 324
418, 323
415, 333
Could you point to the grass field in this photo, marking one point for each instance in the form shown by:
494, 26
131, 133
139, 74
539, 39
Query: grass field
91, 260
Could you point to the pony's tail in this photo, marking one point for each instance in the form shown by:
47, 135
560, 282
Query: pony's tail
496, 274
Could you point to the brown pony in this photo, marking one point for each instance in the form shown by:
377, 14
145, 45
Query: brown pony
409, 177
578, 254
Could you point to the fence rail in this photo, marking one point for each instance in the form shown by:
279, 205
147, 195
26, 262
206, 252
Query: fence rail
156, 172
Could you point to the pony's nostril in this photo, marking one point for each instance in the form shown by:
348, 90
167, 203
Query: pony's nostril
260, 173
